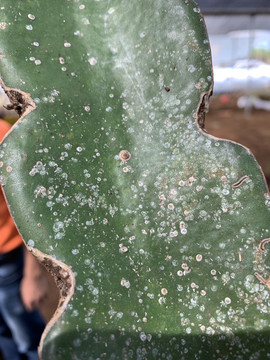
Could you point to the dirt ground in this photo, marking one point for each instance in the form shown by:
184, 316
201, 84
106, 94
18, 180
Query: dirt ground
251, 129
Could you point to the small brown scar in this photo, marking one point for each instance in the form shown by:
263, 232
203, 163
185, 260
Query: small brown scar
262, 280
240, 181
167, 88
240, 256
263, 243
124, 155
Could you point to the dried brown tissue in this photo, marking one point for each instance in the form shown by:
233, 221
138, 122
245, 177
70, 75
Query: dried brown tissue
64, 278
65, 281
20, 101
203, 109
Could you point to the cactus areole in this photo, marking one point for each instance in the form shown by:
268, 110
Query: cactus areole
115, 186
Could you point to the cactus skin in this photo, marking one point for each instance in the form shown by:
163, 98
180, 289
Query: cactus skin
110, 174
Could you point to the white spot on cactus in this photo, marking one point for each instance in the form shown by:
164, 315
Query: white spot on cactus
125, 283
67, 44
31, 243
3, 25
170, 206
85, 21
37, 62
123, 249
198, 257
29, 27
35, 43
142, 336
92, 61
181, 183
162, 300
82, 7
191, 68
31, 16
227, 300
164, 291
111, 11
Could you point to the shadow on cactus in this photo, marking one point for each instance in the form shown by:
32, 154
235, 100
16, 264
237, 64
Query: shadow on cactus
164, 228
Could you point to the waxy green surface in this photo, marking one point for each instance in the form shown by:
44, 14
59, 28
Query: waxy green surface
164, 246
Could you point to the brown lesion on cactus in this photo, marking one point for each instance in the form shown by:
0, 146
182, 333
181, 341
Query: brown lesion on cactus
60, 275
20, 101
260, 259
65, 281
124, 155
263, 243
202, 110
262, 280
17, 102
240, 181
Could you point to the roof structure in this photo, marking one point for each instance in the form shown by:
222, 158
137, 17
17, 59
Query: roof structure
222, 7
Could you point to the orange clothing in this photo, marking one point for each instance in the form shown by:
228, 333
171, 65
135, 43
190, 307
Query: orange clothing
9, 236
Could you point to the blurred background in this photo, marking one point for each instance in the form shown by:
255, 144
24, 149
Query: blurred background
239, 33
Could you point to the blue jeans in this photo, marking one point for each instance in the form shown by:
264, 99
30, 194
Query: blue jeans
20, 330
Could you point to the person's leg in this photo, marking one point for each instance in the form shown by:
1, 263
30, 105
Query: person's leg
26, 327
7, 344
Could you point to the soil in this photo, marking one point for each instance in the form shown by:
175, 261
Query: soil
249, 128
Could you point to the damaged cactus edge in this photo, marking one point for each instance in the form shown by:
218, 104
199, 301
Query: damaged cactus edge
62, 275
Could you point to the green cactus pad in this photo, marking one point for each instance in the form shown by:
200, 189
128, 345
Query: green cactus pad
108, 171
